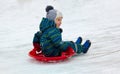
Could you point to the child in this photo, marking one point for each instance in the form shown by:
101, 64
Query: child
49, 37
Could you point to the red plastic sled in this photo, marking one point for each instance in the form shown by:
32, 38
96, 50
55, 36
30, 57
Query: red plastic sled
65, 55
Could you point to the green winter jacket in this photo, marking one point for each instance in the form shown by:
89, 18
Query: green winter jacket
51, 39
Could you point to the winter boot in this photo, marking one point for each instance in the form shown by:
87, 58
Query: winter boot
79, 40
86, 46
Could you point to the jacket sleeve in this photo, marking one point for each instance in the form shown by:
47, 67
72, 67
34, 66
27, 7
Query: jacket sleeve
36, 37
56, 39
36, 42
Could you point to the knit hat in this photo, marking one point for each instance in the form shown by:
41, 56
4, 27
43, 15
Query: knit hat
52, 13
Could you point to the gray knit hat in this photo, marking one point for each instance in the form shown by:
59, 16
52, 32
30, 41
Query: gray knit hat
52, 13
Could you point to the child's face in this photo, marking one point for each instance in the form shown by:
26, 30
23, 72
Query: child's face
58, 21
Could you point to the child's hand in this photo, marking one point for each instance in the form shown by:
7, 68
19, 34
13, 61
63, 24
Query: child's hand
37, 46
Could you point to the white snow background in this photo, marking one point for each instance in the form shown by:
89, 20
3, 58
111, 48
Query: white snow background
97, 20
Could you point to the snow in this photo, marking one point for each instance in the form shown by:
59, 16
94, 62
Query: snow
97, 20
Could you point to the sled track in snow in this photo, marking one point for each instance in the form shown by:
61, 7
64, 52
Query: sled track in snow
97, 55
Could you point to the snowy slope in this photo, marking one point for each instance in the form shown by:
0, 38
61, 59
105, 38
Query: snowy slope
97, 20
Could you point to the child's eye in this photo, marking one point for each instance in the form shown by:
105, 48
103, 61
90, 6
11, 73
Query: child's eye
59, 20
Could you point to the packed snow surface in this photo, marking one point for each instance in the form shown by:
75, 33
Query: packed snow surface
97, 20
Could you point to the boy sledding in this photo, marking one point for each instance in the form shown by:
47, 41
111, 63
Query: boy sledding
48, 40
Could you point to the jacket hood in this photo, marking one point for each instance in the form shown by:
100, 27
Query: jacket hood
45, 24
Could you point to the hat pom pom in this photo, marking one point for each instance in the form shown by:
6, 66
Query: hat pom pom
48, 8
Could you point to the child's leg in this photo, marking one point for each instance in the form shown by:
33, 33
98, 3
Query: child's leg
76, 47
79, 40
86, 46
